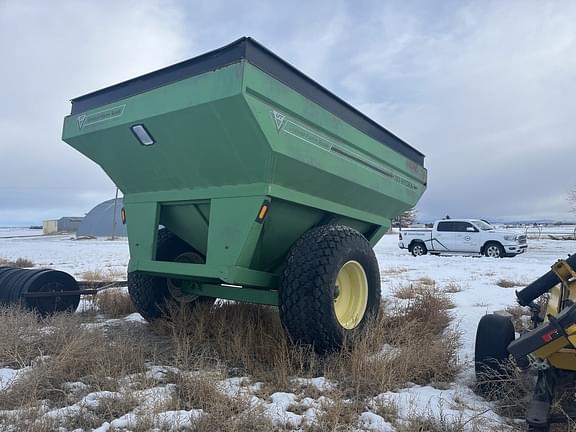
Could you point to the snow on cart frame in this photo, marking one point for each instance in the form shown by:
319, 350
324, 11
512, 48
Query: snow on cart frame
267, 188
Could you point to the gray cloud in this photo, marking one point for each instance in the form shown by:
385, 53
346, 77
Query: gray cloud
52, 51
485, 89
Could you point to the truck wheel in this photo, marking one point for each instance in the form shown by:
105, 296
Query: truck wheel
329, 287
494, 250
418, 249
494, 334
152, 295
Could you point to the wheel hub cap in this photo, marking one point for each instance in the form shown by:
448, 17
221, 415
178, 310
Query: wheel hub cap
351, 294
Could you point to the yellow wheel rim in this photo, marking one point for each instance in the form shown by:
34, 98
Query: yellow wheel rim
350, 294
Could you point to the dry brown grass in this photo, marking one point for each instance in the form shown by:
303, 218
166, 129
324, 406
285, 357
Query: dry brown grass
99, 275
249, 340
337, 414
114, 302
426, 281
426, 422
452, 287
510, 389
362, 371
212, 343
507, 283
252, 419
408, 291
27, 420
108, 408
393, 271
386, 409
200, 391
222, 412
429, 309
412, 290
61, 350
18, 262
520, 317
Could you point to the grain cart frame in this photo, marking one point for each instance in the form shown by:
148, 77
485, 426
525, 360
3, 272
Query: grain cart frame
243, 179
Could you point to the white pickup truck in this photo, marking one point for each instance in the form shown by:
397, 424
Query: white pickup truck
463, 236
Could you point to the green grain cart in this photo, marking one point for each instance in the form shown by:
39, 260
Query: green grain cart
245, 180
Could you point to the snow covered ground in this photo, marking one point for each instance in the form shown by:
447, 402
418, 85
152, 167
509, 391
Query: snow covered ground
64, 252
477, 277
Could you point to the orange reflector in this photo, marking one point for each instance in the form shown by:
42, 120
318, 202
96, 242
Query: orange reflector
123, 215
263, 211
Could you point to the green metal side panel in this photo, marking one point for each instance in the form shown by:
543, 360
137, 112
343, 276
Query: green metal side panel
205, 134
226, 141
335, 161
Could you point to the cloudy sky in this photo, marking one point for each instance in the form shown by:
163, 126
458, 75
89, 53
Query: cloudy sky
486, 89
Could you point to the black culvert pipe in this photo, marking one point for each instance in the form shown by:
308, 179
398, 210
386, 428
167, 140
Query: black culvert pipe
541, 285
5, 290
17, 286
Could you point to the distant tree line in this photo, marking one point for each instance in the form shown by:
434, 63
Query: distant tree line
405, 219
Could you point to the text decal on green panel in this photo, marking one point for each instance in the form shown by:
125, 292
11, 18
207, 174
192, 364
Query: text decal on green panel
100, 116
286, 125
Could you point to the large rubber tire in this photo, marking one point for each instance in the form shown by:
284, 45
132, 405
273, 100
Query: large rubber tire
308, 285
418, 249
494, 250
491, 357
151, 294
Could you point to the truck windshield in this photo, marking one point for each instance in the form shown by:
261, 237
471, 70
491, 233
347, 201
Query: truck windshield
482, 225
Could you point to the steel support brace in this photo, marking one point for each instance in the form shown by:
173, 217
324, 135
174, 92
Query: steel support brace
248, 295
538, 414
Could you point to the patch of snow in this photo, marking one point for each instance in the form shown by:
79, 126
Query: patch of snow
134, 317
320, 383
457, 404
127, 421
234, 386
105, 427
91, 400
66, 254
278, 412
373, 422
175, 420
60, 413
9, 376
159, 372
155, 396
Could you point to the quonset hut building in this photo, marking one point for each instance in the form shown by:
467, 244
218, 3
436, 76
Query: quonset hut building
101, 221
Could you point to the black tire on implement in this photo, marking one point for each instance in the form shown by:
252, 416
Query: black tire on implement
308, 284
491, 357
16, 282
53, 281
150, 294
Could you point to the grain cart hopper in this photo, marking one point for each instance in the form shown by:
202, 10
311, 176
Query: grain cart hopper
548, 349
243, 179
